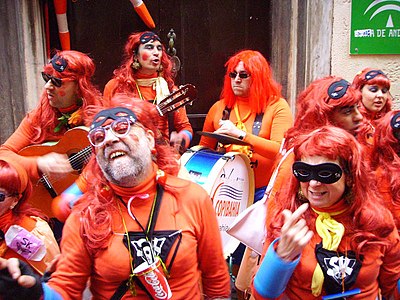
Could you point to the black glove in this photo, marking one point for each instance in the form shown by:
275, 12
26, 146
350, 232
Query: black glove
11, 290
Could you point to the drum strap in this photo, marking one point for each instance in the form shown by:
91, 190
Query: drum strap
257, 121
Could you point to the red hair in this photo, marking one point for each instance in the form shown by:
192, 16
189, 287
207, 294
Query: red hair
80, 68
370, 221
264, 89
10, 181
126, 76
358, 83
315, 108
99, 202
386, 154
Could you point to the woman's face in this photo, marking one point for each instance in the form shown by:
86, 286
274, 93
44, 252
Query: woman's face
149, 56
8, 201
64, 96
322, 195
374, 97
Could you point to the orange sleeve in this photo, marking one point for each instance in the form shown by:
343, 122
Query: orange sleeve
75, 264
20, 139
214, 270
211, 124
109, 91
181, 121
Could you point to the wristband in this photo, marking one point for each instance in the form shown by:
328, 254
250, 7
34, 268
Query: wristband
242, 136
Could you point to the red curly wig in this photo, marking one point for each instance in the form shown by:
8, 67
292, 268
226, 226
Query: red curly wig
370, 222
315, 108
386, 154
80, 68
126, 76
358, 83
97, 203
264, 89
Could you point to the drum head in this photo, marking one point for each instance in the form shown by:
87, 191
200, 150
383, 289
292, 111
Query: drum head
232, 193
228, 179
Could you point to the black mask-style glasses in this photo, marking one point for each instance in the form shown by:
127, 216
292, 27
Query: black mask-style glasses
242, 75
325, 173
119, 128
54, 80
373, 73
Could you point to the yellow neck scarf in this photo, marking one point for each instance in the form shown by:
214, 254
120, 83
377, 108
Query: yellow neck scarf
159, 84
240, 124
331, 233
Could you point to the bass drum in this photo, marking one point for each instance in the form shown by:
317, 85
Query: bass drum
228, 179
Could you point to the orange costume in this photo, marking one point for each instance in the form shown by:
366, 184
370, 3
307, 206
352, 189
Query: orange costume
277, 119
380, 268
25, 136
50, 120
198, 266
23, 233
180, 119
385, 190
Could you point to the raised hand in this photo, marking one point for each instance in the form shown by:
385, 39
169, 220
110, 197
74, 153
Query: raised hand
295, 234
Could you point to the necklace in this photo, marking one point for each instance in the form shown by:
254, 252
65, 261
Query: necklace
141, 96
148, 233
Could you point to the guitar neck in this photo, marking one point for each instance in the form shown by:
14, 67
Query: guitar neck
80, 159
177, 99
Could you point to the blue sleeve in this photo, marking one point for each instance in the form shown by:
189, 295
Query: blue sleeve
273, 274
398, 285
49, 293
188, 133
74, 191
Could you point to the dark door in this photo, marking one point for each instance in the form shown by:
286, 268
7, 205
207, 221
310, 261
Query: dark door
207, 33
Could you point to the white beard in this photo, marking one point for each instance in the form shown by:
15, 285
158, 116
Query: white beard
128, 170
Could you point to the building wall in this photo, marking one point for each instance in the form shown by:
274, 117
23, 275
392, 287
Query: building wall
346, 65
21, 60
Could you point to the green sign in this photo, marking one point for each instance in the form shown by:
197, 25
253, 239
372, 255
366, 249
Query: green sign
375, 27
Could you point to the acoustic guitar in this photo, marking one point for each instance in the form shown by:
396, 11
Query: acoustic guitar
76, 145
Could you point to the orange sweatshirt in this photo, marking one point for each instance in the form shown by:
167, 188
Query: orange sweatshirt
199, 267
180, 119
380, 268
276, 121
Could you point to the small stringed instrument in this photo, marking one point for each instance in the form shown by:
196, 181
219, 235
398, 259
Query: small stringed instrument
76, 145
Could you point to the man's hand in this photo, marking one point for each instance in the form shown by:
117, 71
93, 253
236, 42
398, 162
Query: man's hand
228, 128
178, 141
54, 163
18, 281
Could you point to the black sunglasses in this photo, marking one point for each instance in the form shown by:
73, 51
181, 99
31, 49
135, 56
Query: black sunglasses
54, 80
241, 75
